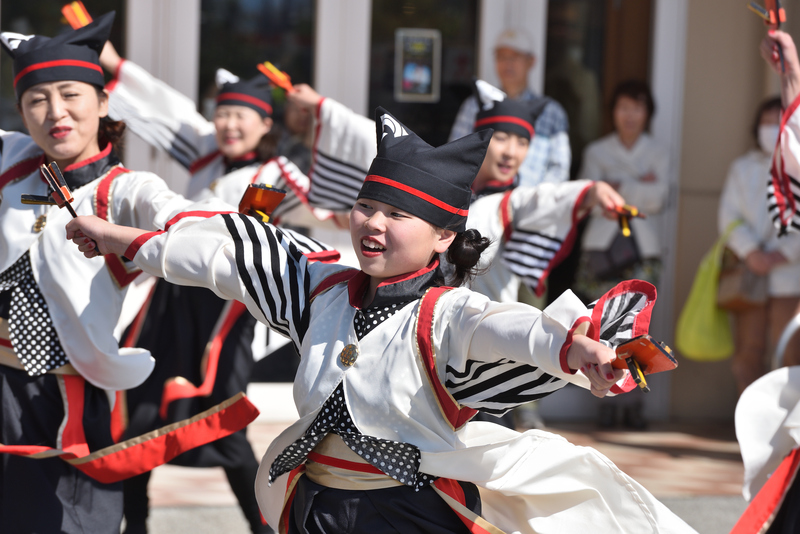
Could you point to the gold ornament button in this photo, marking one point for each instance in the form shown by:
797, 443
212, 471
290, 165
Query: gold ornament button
349, 355
40, 223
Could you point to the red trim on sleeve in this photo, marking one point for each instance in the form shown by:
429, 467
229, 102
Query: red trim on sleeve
112, 84
245, 98
137, 243
781, 184
202, 162
562, 354
454, 413
324, 256
103, 191
505, 215
566, 245
57, 63
18, 170
6, 343
298, 190
417, 193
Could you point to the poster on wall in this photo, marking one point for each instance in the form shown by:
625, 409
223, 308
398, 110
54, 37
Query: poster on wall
417, 65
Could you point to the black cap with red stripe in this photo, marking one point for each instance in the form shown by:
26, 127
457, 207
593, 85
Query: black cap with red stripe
500, 113
72, 55
255, 93
433, 184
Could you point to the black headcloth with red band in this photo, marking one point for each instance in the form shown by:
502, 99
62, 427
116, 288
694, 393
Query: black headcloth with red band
500, 113
72, 55
255, 93
433, 184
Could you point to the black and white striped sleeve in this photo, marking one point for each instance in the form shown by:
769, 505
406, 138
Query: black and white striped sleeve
237, 257
543, 226
497, 356
344, 148
160, 115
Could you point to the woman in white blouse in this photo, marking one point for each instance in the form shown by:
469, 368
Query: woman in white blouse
755, 241
637, 166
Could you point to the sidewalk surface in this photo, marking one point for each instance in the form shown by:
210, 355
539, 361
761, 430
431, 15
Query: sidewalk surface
696, 470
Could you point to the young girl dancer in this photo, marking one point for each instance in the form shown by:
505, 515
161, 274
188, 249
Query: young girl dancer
59, 360
382, 444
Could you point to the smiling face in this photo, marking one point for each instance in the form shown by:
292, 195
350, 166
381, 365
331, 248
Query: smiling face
506, 153
63, 119
390, 242
239, 129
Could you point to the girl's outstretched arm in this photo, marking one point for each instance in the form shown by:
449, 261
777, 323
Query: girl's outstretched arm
110, 238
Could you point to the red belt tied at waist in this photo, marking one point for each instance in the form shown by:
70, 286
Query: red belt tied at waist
334, 465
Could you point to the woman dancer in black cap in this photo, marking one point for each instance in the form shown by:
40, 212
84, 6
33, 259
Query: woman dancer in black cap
59, 360
383, 444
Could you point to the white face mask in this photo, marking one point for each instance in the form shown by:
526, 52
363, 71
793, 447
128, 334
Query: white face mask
768, 137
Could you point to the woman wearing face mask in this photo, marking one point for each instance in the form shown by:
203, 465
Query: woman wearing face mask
755, 241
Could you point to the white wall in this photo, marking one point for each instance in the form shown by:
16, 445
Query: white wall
164, 38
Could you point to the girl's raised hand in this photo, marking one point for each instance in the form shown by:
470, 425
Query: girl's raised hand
305, 97
790, 79
605, 196
594, 359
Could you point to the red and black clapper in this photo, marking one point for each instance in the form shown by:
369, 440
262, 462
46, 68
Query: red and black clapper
60, 195
642, 356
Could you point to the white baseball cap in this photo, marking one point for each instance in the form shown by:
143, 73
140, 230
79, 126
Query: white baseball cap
516, 39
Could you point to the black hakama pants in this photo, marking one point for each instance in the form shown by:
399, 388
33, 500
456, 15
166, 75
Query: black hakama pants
49, 495
317, 509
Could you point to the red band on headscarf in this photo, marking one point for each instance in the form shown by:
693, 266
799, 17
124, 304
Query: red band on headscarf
506, 118
57, 63
417, 193
245, 98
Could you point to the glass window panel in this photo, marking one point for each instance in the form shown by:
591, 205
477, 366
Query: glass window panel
237, 35
457, 22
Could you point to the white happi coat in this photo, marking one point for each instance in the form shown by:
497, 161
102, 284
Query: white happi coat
84, 299
532, 482
531, 231
343, 148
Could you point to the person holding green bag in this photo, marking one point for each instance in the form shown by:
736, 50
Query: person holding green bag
755, 243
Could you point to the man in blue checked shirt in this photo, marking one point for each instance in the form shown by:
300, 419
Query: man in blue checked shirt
549, 155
